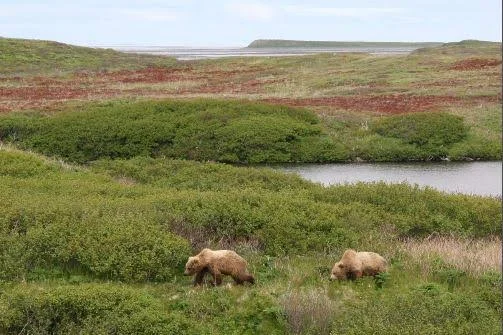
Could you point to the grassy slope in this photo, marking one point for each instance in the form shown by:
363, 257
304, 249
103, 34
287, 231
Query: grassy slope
37, 56
400, 84
266, 43
470, 47
93, 240
100, 249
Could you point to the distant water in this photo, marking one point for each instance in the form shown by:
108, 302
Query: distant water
186, 53
479, 178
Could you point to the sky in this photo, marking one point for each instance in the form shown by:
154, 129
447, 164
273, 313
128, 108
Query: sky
219, 23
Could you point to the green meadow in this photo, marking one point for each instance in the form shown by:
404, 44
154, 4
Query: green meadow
103, 200
101, 248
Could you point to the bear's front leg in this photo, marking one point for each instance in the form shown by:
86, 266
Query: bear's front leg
353, 274
199, 277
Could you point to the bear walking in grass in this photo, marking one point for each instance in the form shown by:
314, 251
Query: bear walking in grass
218, 263
354, 265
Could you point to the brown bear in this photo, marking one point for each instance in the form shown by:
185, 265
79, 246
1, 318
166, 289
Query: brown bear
218, 263
354, 265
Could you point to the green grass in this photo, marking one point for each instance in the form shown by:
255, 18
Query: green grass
100, 249
469, 47
37, 56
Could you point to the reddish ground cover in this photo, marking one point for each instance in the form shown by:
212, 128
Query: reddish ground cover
474, 64
390, 104
17, 93
40, 92
150, 75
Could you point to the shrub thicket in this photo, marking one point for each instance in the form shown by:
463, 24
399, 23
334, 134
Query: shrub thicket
236, 132
118, 220
225, 131
85, 309
432, 133
427, 309
99, 308
121, 222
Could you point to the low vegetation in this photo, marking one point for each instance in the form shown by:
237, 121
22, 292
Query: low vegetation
471, 256
102, 203
102, 248
238, 132
19, 56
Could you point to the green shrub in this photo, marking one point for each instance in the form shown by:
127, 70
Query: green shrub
62, 220
415, 211
114, 246
85, 309
182, 174
123, 221
386, 149
225, 131
476, 147
230, 311
429, 309
433, 133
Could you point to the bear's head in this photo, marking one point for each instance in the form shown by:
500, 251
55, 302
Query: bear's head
342, 269
338, 271
193, 266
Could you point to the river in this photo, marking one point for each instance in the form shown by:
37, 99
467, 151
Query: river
478, 178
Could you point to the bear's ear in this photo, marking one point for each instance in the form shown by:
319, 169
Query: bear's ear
341, 265
195, 261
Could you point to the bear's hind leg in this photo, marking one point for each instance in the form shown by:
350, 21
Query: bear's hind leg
238, 280
242, 278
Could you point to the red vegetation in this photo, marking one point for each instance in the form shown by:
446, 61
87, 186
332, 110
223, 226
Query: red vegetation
474, 64
149, 75
17, 93
391, 104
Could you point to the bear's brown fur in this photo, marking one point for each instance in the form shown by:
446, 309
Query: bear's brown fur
218, 263
354, 265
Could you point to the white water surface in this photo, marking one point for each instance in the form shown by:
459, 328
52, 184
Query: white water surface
477, 178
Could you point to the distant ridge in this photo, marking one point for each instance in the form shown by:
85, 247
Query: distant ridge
469, 47
266, 43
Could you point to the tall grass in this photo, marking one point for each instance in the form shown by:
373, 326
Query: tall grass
310, 311
473, 256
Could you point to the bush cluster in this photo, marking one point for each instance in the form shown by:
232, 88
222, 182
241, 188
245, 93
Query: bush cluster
226, 131
431, 133
133, 220
237, 132
85, 309
426, 309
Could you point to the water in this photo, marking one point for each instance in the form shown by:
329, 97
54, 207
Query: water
187, 53
479, 178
